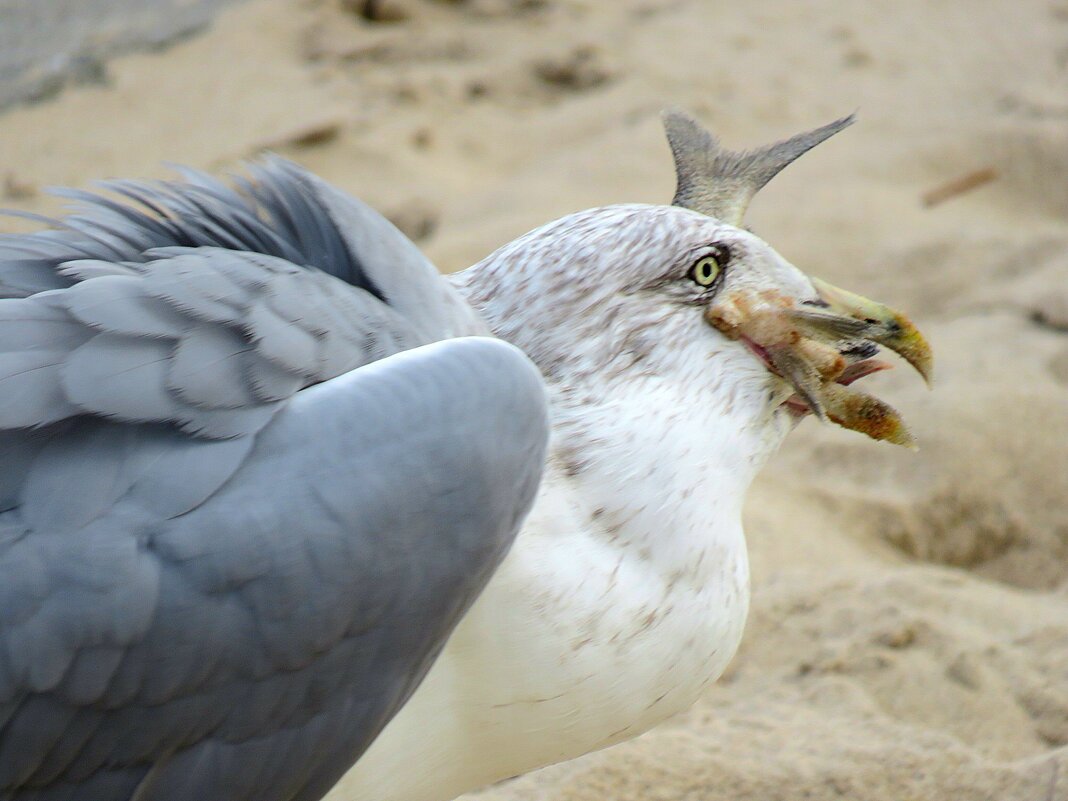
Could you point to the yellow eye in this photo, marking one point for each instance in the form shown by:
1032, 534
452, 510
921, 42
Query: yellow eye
708, 268
705, 271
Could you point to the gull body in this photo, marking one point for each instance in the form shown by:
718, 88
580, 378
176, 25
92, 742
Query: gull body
627, 589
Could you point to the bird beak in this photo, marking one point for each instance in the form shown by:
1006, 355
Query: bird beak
820, 347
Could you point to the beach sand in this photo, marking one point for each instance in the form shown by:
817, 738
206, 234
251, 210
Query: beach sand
909, 628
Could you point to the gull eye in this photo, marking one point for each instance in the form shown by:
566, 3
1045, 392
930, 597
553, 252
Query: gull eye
706, 269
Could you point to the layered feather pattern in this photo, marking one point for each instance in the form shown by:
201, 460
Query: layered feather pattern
227, 556
204, 307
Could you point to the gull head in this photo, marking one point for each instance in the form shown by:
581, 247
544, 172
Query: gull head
818, 345
685, 294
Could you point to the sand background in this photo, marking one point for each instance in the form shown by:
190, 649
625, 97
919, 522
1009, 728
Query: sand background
909, 630
46, 45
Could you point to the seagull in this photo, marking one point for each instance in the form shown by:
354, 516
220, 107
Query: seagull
281, 508
679, 349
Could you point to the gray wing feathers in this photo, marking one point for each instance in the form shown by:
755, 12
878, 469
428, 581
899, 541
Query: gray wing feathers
206, 339
314, 283
287, 345
121, 377
227, 556
32, 391
18, 450
282, 212
208, 369
395, 265
62, 493
264, 637
121, 304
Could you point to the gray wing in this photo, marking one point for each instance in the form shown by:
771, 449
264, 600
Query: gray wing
253, 647
237, 520
207, 308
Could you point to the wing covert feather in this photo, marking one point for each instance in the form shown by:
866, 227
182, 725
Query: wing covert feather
140, 350
208, 368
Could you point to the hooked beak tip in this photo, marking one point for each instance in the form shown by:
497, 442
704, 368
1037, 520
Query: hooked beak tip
913, 348
821, 352
887, 326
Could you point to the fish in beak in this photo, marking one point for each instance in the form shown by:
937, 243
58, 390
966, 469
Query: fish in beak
819, 346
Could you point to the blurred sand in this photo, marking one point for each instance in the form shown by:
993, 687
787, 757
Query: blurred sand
48, 44
909, 633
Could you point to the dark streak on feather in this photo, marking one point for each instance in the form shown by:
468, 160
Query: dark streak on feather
277, 213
